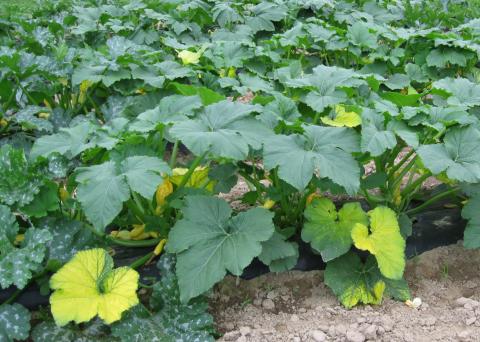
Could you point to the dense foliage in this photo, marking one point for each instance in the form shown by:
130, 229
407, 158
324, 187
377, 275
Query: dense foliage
120, 122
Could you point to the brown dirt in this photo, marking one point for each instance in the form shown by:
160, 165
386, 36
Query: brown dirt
297, 306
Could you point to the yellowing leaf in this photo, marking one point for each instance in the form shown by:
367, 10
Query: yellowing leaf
385, 241
343, 118
165, 189
268, 204
83, 90
312, 196
189, 57
87, 286
198, 179
354, 282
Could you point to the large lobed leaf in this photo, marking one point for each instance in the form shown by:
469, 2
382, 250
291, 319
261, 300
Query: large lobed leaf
223, 129
459, 155
103, 188
329, 231
17, 265
209, 242
326, 150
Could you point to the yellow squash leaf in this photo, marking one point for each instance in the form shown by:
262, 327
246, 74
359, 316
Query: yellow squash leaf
385, 241
268, 204
88, 286
343, 118
165, 189
189, 57
199, 178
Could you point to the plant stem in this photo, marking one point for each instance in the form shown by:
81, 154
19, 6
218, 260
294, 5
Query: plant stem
133, 243
173, 157
398, 180
431, 201
283, 199
191, 169
400, 164
13, 296
255, 182
410, 188
141, 261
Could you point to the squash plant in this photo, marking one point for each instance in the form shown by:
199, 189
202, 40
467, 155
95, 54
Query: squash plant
122, 122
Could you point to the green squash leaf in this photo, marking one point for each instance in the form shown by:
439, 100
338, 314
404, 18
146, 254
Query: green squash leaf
459, 155
171, 320
69, 141
375, 138
329, 231
103, 188
14, 322
224, 129
208, 242
17, 265
463, 92
170, 109
326, 150
471, 212
19, 180
279, 255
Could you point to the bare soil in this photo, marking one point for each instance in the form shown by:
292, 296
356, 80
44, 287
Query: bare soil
297, 306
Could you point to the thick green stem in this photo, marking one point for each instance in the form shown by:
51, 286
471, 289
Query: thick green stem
398, 179
394, 169
132, 243
13, 296
431, 201
283, 199
412, 187
141, 261
256, 183
173, 157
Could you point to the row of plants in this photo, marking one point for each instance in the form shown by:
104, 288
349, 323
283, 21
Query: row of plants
121, 122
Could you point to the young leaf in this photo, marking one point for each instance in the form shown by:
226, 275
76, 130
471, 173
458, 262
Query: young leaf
459, 155
329, 231
18, 264
88, 285
171, 109
208, 242
384, 241
323, 149
14, 322
375, 138
343, 118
